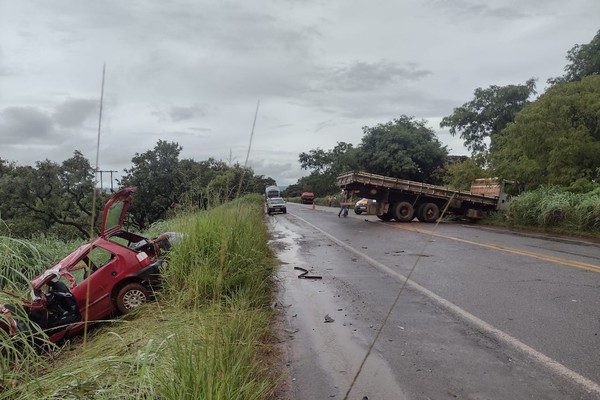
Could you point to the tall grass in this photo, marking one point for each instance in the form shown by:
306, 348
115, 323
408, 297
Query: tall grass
207, 337
21, 260
555, 209
225, 254
217, 357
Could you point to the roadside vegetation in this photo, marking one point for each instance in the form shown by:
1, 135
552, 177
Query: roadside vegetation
555, 210
207, 336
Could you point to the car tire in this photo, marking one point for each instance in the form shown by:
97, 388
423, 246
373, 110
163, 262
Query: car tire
357, 212
131, 296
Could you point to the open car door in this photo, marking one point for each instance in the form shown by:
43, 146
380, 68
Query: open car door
115, 211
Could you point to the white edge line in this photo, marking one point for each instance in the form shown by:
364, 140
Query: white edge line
501, 336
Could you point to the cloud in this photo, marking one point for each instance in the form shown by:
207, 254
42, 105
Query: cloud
184, 113
192, 71
469, 9
25, 124
73, 112
365, 76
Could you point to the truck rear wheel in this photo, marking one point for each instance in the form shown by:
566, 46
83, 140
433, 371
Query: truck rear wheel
403, 211
428, 212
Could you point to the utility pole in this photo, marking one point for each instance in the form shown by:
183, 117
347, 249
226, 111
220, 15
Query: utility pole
111, 179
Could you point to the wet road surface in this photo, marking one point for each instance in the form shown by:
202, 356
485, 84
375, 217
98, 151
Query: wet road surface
486, 314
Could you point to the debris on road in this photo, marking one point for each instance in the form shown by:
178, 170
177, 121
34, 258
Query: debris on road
304, 274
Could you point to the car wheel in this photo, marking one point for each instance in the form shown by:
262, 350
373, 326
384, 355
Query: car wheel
131, 296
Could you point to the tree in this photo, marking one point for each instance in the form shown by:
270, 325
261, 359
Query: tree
403, 148
461, 172
584, 61
320, 184
555, 140
164, 182
157, 176
325, 166
54, 197
484, 117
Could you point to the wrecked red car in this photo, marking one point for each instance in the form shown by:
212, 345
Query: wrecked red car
115, 272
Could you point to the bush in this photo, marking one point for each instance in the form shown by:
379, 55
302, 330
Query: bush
551, 207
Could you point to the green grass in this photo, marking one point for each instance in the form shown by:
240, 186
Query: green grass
207, 337
554, 210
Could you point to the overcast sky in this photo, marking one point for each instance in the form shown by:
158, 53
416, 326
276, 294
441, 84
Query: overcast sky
192, 71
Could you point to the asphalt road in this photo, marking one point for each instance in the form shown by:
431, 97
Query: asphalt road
485, 313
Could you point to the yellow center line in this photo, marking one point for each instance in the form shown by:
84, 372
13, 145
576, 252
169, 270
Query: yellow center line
557, 260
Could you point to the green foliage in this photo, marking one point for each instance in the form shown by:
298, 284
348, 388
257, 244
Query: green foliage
551, 207
488, 114
219, 360
22, 259
224, 252
19, 261
217, 286
584, 60
164, 182
332, 162
403, 148
555, 140
156, 175
325, 166
49, 196
461, 174
319, 184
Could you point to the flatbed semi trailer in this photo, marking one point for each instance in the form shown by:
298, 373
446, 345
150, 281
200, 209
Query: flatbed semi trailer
402, 200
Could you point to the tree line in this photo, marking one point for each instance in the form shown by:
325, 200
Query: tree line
553, 139
58, 198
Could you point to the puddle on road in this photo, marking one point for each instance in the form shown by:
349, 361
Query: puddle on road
324, 357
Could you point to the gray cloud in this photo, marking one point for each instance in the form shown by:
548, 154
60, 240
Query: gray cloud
184, 113
469, 9
25, 124
73, 112
365, 76
192, 71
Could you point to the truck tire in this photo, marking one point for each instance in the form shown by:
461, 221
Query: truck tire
428, 212
403, 211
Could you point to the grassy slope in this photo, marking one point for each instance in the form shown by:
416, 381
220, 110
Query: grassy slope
205, 338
